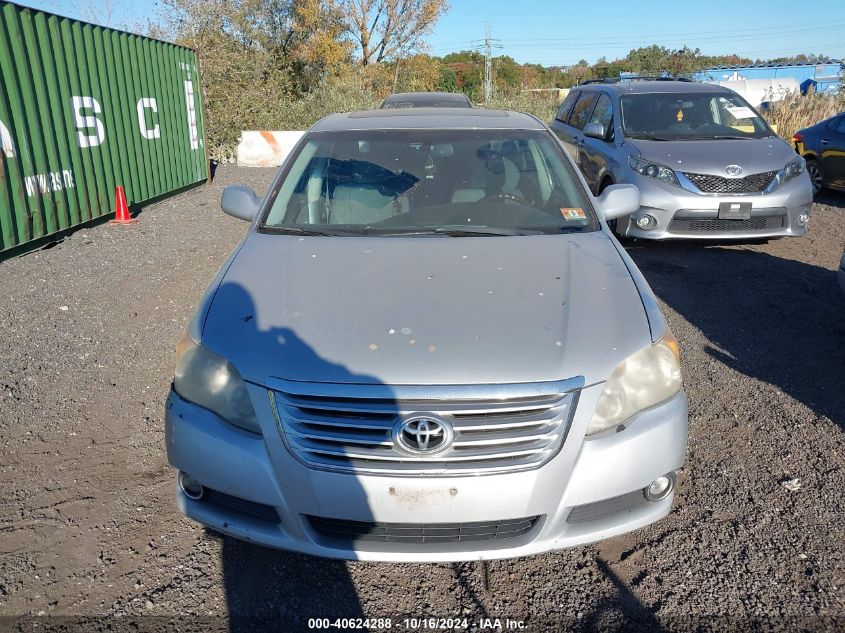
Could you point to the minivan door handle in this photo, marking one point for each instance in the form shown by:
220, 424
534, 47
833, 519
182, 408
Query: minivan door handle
825, 141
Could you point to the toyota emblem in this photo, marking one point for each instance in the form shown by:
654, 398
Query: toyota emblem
733, 170
423, 435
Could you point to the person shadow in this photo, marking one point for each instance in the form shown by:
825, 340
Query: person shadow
270, 589
777, 320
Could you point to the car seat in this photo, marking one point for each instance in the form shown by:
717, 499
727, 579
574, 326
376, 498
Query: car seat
495, 175
357, 204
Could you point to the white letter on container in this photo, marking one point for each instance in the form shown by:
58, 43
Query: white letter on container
6, 145
88, 122
146, 132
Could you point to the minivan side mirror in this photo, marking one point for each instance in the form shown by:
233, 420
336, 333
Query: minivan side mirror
619, 200
240, 202
595, 130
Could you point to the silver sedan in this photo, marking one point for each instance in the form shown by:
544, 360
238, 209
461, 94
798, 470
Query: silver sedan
428, 347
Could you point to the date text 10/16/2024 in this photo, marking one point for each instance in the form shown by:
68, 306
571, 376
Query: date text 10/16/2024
416, 624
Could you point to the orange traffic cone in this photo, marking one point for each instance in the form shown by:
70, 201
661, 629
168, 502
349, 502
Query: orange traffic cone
121, 209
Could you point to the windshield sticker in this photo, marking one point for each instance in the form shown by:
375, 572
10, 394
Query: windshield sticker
741, 112
573, 214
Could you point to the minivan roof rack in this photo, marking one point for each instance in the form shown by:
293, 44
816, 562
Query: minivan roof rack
614, 80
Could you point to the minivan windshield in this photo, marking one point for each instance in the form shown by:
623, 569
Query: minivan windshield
429, 182
690, 116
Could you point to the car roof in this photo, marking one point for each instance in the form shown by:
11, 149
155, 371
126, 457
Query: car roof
637, 87
428, 118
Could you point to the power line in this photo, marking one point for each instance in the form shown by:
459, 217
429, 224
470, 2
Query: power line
721, 34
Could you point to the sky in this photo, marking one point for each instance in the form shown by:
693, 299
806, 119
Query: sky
561, 32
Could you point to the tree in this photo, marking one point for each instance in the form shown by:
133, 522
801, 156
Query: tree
385, 29
448, 81
320, 47
417, 73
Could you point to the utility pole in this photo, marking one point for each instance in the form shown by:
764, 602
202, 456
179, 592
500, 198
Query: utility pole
488, 64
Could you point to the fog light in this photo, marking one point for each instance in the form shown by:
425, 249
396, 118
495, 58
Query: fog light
659, 488
803, 218
646, 221
190, 486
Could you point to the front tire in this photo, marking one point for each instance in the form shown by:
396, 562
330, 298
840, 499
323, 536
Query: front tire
814, 170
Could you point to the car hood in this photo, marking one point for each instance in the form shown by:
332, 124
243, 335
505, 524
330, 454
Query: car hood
711, 157
405, 311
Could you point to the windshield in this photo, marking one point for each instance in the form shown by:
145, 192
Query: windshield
690, 116
437, 182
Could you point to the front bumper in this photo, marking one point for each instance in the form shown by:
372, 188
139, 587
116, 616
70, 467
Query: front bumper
682, 214
248, 468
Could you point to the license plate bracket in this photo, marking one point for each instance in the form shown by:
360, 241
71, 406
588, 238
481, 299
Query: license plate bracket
735, 211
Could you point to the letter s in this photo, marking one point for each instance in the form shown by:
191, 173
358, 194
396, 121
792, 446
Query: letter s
88, 122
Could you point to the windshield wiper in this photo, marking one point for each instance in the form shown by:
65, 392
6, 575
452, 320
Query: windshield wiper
296, 230
650, 137
719, 137
436, 231
463, 232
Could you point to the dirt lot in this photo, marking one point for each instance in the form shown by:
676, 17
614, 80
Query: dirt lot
88, 527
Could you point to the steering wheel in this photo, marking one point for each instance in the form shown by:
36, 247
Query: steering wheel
504, 195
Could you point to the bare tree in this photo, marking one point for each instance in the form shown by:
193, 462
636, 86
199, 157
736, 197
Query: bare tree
383, 29
100, 12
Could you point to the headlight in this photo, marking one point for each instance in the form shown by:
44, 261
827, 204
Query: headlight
653, 170
644, 379
793, 168
212, 382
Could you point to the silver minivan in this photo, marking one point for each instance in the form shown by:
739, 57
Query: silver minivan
706, 164
428, 347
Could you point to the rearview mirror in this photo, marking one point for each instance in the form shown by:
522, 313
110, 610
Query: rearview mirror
619, 200
240, 202
595, 130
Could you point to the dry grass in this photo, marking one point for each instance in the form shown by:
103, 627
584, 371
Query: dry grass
795, 112
543, 106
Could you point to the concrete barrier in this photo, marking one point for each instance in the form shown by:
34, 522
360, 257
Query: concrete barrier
266, 149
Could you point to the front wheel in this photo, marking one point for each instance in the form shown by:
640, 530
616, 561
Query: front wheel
814, 170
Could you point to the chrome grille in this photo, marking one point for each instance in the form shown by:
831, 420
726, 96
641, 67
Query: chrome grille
497, 428
755, 183
703, 225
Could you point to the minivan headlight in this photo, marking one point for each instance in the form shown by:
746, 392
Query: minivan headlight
644, 379
212, 382
792, 169
653, 170
795, 167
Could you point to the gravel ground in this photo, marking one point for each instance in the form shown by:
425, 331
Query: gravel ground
89, 530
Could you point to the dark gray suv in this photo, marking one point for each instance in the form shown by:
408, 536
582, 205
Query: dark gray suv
707, 165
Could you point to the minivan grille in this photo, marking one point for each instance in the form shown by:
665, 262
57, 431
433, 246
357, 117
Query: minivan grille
354, 531
354, 428
755, 183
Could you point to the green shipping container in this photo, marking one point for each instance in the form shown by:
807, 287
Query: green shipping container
84, 109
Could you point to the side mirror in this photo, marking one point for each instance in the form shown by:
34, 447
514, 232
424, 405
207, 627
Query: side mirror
240, 202
619, 200
595, 130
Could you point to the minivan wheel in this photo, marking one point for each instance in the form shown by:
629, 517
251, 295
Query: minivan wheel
814, 170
